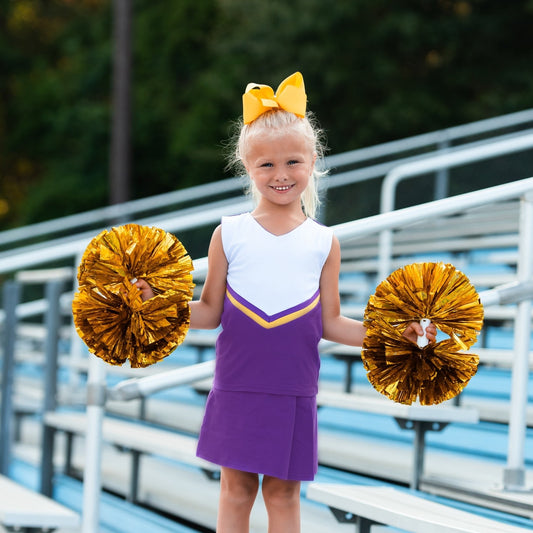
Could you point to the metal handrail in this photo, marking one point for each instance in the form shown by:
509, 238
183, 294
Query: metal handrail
71, 248
382, 169
122, 211
462, 156
435, 138
126, 211
131, 389
403, 217
449, 160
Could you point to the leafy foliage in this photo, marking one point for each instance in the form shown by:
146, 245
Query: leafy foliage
374, 71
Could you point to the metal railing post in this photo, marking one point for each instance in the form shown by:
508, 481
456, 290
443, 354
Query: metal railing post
77, 349
442, 177
52, 322
92, 476
514, 473
11, 297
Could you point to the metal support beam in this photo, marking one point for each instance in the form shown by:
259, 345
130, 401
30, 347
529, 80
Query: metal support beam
420, 427
514, 474
11, 297
362, 524
53, 323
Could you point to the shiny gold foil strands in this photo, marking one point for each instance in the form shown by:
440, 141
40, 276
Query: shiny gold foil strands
109, 314
397, 367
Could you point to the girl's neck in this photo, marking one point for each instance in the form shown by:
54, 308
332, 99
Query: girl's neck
279, 219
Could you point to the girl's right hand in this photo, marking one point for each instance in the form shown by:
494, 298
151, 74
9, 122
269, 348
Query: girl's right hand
146, 290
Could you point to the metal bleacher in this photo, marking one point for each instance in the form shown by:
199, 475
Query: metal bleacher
86, 435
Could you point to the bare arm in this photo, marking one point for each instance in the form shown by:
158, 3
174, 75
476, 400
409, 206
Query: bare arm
336, 328
341, 329
206, 312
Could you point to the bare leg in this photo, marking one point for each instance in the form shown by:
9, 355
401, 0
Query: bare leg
238, 491
282, 502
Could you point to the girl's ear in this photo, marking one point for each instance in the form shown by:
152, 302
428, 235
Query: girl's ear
248, 171
245, 164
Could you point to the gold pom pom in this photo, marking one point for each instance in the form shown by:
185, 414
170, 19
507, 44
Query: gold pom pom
399, 368
109, 313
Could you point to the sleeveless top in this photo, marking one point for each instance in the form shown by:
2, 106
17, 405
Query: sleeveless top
272, 317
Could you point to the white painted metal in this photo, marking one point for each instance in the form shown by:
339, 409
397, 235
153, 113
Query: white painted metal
404, 510
92, 482
357, 229
431, 164
125, 211
514, 475
21, 509
143, 387
27, 257
508, 294
431, 139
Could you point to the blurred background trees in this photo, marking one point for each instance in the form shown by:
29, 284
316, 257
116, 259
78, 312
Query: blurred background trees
375, 71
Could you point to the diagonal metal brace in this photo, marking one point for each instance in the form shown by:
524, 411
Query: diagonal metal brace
362, 524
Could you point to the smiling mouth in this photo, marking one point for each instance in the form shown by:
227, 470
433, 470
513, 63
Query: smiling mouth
282, 188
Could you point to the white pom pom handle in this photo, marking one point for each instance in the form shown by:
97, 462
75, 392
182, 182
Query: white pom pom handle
423, 340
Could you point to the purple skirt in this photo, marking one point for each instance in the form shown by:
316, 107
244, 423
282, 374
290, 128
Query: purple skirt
262, 433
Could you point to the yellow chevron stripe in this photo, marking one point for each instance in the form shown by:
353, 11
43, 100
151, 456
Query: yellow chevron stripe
279, 321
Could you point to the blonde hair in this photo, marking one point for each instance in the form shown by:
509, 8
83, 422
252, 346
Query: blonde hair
282, 121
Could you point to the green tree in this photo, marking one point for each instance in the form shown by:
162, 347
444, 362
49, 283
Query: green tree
374, 71
54, 120
175, 120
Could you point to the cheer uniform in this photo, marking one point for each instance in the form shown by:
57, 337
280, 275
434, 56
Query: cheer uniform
261, 412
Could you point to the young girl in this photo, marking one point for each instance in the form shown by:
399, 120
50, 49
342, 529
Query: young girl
272, 284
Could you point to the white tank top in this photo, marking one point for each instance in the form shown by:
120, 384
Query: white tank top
274, 272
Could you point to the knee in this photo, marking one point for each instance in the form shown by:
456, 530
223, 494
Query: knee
240, 490
281, 494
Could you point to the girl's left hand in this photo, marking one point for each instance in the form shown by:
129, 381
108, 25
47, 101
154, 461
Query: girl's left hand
414, 330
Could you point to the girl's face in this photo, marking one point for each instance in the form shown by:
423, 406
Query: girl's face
280, 166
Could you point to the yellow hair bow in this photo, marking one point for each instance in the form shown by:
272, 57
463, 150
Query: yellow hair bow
290, 96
